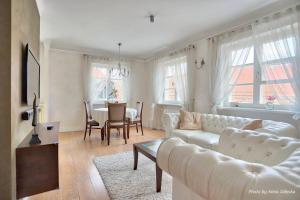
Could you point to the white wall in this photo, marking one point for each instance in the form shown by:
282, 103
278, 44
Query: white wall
140, 90
202, 100
45, 81
66, 90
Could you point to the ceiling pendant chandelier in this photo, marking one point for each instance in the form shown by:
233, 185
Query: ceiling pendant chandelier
119, 71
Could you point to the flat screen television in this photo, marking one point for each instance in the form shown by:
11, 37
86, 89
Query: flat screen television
31, 77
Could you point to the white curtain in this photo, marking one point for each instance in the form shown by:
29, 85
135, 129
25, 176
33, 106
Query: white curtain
231, 50
158, 75
210, 68
127, 83
183, 67
86, 66
158, 80
277, 45
181, 80
89, 83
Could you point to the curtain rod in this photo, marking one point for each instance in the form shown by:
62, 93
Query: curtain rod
187, 48
240, 26
172, 53
99, 55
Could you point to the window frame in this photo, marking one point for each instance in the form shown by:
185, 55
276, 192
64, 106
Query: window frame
107, 80
169, 64
257, 83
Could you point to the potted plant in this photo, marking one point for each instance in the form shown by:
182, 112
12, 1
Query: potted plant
270, 102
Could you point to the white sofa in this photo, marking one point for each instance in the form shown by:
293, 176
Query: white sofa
213, 125
249, 165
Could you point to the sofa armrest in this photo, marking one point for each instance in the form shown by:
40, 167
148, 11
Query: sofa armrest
215, 176
170, 122
290, 168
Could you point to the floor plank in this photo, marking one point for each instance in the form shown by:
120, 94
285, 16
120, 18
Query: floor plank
79, 178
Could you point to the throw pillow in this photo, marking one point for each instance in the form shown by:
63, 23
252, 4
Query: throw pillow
190, 120
255, 124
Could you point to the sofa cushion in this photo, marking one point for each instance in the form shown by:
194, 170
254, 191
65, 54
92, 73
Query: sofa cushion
201, 138
190, 120
184, 134
255, 124
205, 139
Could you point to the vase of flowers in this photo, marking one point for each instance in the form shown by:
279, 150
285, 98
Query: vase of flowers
270, 102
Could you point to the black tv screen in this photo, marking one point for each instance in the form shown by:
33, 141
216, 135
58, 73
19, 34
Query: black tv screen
31, 77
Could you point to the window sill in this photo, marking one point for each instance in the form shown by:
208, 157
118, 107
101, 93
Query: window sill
258, 110
170, 104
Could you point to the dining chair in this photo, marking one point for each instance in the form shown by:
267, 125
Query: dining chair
90, 123
116, 119
106, 106
138, 120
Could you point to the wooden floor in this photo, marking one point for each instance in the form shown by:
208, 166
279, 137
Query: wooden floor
79, 178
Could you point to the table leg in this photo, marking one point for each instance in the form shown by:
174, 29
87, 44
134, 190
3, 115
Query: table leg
158, 178
135, 155
102, 133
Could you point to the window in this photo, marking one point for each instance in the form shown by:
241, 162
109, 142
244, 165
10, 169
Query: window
278, 72
242, 77
106, 86
254, 82
174, 70
170, 90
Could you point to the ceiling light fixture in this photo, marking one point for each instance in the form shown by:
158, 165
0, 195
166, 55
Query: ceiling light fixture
119, 71
151, 16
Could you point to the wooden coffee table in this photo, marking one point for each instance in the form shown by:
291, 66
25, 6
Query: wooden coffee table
149, 149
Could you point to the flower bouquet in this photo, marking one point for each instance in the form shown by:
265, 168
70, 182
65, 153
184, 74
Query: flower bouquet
270, 102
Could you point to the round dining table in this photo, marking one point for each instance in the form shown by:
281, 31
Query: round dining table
101, 114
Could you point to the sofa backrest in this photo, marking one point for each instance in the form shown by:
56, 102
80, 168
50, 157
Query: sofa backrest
279, 129
217, 123
253, 146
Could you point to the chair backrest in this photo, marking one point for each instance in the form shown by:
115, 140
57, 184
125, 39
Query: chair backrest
116, 112
88, 110
139, 108
106, 103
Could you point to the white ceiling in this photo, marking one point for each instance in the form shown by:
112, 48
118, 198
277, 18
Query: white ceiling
98, 25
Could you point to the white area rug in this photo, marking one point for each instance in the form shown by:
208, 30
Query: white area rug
122, 182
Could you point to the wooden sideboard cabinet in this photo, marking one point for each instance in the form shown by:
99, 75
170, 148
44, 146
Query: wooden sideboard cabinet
37, 165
